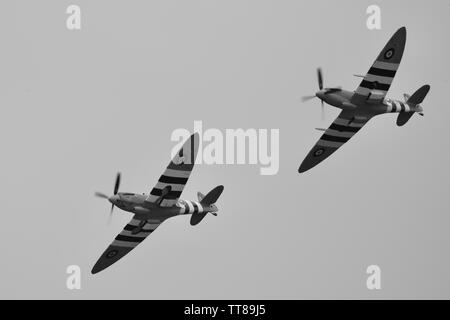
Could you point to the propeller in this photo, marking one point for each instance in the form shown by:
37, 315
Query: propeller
321, 90
320, 81
104, 196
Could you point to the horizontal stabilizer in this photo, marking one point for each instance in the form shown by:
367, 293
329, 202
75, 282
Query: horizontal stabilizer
419, 95
212, 196
403, 117
196, 218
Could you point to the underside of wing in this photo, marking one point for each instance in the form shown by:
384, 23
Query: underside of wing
378, 79
171, 184
132, 234
340, 131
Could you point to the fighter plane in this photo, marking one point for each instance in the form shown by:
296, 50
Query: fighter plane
150, 210
369, 100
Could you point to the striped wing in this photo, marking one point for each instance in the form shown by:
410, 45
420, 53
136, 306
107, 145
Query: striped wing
378, 80
124, 243
171, 184
340, 131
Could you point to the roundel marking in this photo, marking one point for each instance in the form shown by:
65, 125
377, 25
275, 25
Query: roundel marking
112, 253
319, 152
389, 53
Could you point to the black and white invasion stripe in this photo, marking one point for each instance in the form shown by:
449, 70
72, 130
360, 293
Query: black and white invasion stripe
397, 106
189, 207
127, 239
378, 80
176, 175
341, 130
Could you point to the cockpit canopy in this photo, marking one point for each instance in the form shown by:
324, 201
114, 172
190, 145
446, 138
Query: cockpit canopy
127, 194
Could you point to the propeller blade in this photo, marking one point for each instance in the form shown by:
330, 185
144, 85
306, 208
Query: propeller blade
110, 214
307, 98
116, 186
323, 111
320, 78
101, 195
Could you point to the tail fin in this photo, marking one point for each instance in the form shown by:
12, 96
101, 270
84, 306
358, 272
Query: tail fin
200, 196
419, 95
212, 196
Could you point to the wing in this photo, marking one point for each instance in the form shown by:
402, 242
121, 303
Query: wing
125, 241
171, 184
340, 131
378, 79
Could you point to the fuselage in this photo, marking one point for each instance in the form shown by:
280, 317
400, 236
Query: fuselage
146, 210
343, 100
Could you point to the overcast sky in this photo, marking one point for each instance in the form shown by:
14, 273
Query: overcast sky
78, 106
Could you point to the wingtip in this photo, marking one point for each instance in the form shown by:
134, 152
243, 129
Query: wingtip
307, 165
97, 268
94, 271
402, 32
302, 169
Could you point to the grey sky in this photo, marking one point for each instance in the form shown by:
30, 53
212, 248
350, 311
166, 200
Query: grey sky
78, 106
